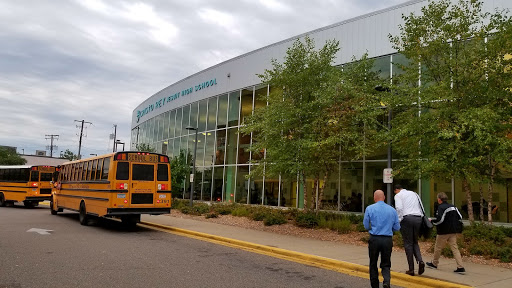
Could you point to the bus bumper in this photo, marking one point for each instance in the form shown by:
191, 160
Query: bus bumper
127, 211
38, 198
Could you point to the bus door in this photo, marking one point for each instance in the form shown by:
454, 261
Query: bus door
46, 178
143, 184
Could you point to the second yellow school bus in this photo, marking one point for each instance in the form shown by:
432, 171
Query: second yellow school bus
122, 184
27, 184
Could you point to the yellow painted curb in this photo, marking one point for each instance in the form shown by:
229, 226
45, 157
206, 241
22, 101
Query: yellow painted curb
398, 279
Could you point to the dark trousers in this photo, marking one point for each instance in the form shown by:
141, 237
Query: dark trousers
410, 229
382, 245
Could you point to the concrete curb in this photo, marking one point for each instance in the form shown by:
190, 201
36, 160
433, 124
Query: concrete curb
398, 279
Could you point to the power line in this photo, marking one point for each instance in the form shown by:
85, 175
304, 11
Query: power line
51, 137
81, 133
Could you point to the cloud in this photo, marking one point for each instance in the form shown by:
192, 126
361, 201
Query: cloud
96, 60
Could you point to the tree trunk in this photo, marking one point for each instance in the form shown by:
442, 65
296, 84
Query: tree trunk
467, 190
305, 192
314, 194
322, 189
481, 202
491, 190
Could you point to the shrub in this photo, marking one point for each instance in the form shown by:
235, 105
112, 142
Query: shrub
355, 218
507, 231
360, 227
306, 219
485, 232
259, 215
179, 203
506, 254
212, 214
200, 209
224, 209
484, 248
186, 210
344, 226
240, 211
275, 218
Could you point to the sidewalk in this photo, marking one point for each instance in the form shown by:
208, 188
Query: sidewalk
476, 275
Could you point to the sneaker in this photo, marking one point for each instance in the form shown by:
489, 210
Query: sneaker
430, 265
409, 272
460, 270
421, 268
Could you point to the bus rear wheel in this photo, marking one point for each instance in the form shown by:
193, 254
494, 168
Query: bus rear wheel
2, 200
84, 219
53, 211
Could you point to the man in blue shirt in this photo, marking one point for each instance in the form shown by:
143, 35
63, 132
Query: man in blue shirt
381, 220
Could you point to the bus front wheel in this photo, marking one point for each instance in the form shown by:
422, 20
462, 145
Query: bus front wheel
2, 200
84, 219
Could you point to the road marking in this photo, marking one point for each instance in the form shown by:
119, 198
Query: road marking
40, 231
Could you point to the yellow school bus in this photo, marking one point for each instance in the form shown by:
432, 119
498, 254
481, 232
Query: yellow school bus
122, 185
27, 184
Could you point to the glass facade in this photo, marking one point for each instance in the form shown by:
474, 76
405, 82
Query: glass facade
222, 161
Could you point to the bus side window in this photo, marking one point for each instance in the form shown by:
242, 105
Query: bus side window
93, 171
26, 174
106, 168
100, 166
84, 172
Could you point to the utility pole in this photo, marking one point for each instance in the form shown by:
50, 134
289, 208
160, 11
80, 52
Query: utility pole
51, 137
115, 132
81, 133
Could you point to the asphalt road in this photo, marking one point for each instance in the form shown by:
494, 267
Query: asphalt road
42, 250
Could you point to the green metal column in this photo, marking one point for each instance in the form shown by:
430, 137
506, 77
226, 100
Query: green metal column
426, 196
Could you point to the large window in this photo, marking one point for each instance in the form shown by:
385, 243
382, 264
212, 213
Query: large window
193, 115
212, 113
186, 119
222, 111
179, 117
246, 105
123, 171
203, 105
172, 123
231, 146
162, 173
234, 104
143, 172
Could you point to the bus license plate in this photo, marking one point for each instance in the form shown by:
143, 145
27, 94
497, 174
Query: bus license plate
121, 195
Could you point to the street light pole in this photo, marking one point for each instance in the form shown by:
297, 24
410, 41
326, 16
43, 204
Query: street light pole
389, 187
192, 181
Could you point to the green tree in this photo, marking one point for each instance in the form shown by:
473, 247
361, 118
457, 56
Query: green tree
69, 155
180, 171
143, 147
10, 157
456, 121
299, 130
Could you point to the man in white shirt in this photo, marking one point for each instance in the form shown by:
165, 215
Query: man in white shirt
410, 212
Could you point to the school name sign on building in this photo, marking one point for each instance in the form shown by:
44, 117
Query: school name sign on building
161, 102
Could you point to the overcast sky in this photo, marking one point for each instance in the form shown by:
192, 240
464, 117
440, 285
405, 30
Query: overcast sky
96, 60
